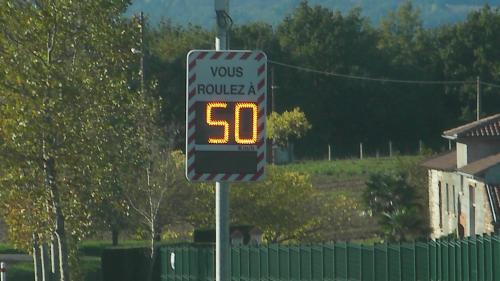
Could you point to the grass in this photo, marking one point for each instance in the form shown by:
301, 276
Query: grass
9, 249
20, 271
90, 259
350, 168
94, 248
348, 178
23, 271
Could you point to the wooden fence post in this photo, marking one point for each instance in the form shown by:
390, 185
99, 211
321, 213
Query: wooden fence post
390, 148
361, 150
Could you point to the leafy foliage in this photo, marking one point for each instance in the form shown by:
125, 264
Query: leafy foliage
281, 206
66, 110
289, 124
392, 198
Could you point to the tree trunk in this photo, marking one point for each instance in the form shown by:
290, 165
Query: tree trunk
114, 236
153, 251
59, 232
44, 258
54, 259
36, 259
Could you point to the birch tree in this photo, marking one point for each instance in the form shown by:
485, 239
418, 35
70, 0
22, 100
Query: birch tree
63, 79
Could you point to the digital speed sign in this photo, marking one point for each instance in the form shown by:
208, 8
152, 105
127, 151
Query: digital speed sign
226, 115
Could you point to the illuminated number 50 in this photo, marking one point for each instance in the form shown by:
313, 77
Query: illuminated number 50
237, 114
237, 110
221, 123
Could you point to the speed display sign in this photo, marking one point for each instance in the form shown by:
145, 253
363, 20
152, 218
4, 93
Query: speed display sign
226, 115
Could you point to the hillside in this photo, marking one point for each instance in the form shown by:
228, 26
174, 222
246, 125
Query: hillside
199, 12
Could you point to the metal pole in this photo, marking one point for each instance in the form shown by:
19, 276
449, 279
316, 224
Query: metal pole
222, 262
222, 231
3, 271
478, 98
329, 153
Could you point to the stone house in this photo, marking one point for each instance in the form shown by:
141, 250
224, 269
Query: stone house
464, 184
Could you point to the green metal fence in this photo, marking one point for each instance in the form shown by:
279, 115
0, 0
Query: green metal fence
473, 259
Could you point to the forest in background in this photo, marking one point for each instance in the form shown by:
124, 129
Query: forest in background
344, 112
198, 12
86, 147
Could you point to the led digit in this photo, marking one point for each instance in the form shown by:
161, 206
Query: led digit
219, 123
237, 110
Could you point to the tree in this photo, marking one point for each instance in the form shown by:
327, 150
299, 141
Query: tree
319, 38
156, 179
282, 205
468, 50
65, 93
289, 124
393, 200
166, 49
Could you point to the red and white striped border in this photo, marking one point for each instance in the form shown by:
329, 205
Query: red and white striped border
261, 88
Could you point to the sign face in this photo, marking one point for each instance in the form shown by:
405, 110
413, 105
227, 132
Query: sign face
226, 115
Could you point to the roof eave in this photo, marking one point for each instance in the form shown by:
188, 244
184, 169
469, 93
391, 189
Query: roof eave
469, 175
450, 137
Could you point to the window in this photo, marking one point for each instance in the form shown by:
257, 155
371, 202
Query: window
447, 199
440, 205
472, 195
454, 205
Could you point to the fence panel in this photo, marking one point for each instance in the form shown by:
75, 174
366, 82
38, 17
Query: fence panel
317, 262
408, 261
264, 262
284, 263
472, 259
255, 264
464, 252
380, 262
422, 267
480, 258
328, 262
452, 255
294, 261
495, 257
367, 263
236, 263
354, 261
341, 256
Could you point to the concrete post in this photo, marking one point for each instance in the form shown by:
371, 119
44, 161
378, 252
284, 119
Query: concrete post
390, 148
329, 153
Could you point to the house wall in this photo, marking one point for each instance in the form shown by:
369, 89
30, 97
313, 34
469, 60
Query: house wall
447, 224
470, 150
481, 206
457, 204
461, 154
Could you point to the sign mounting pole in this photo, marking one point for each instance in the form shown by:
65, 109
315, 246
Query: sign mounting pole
222, 264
